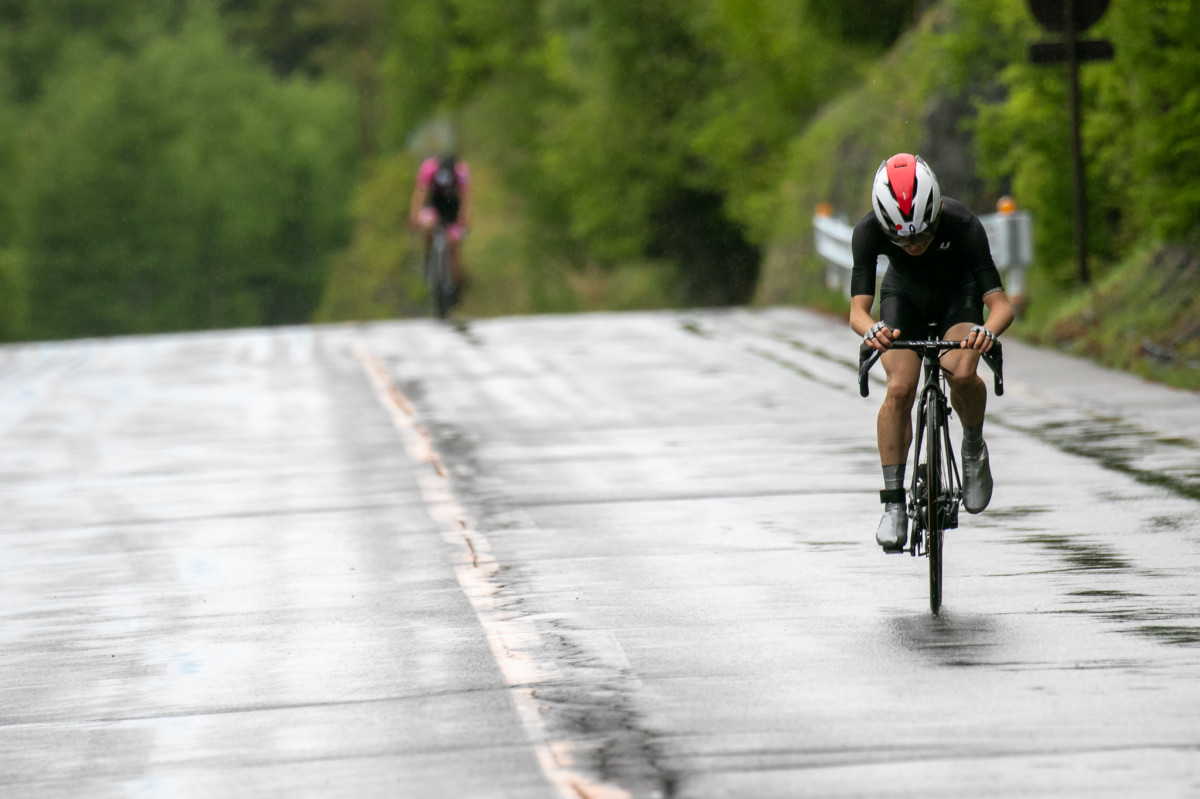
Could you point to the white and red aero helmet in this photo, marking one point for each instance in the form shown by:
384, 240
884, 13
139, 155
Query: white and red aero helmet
906, 197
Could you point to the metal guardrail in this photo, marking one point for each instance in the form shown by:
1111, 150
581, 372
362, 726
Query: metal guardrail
1010, 236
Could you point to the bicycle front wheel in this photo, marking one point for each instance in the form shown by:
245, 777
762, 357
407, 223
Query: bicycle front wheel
935, 495
439, 278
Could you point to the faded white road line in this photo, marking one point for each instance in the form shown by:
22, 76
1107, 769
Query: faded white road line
514, 642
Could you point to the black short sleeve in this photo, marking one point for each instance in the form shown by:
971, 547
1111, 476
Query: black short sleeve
866, 244
979, 254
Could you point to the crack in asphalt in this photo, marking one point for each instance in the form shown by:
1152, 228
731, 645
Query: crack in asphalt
591, 701
1112, 442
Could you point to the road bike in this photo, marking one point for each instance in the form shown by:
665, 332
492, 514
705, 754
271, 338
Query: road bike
936, 486
437, 272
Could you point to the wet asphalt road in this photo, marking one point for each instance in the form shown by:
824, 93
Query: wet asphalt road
589, 556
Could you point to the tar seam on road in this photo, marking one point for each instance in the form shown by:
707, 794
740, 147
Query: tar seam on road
514, 642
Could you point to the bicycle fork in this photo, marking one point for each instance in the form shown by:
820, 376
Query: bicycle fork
933, 404
918, 494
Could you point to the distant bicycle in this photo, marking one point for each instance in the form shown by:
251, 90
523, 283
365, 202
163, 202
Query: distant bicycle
437, 273
440, 207
936, 489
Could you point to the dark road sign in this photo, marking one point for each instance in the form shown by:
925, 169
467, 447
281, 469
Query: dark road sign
1057, 53
1052, 14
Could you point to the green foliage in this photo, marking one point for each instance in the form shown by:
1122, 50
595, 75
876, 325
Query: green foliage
176, 187
1028, 138
319, 39
632, 131
188, 163
1140, 128
290, 35
1146, 123
834, 158
378, 276
1143, 317
624, 72
34, 33
1143, 169
740, 130
415, 64
881, 25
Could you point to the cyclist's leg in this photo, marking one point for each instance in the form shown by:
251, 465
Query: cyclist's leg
454, 234
426, 219
968, 396
968, 393
894, 424
903, 369
894, 434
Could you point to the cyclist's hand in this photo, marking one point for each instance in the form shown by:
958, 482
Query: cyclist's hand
880, 337
980, 338
426, 218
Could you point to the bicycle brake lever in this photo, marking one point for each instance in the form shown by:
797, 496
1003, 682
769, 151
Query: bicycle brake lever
995, 361
866, 359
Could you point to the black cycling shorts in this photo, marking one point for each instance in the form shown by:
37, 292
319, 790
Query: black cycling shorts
912, 309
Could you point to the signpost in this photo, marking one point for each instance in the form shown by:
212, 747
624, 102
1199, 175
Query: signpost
1053, 14
1070, 17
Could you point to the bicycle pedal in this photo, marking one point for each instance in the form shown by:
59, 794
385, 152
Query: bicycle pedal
894, 550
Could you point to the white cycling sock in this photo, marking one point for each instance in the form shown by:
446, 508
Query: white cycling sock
893, 476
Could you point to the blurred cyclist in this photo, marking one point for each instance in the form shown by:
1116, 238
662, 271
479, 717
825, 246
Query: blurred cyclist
442, 194
941, 273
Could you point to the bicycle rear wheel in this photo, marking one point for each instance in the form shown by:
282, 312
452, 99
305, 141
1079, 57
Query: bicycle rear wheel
936, 492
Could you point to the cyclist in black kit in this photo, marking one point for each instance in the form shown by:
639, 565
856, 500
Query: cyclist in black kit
942, 273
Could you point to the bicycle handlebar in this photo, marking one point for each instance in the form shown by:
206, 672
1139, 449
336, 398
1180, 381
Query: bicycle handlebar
867, 356
924, 345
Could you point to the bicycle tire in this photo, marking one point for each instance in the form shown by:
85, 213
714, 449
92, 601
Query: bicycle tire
438, 277
935, 493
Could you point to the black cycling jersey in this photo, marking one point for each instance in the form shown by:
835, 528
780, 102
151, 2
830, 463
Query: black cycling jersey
958, 255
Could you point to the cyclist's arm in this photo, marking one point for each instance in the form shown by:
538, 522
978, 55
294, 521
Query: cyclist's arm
415, 205
987, 277
860, 313
864, 246
464, 206
420, 191
1000, 316
861, 322
1000, 311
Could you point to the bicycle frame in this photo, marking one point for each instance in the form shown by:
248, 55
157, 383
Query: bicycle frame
936, 485
437, 271
933, 418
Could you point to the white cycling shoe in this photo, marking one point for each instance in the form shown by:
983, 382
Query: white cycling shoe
892, 533
977, 480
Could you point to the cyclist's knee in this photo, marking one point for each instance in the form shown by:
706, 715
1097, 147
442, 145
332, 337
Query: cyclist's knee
964, 379
900, 391
960, 362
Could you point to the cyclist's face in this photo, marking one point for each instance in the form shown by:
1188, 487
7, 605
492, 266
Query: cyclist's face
915, 245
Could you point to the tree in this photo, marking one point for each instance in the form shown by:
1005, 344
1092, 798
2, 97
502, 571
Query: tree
178, 186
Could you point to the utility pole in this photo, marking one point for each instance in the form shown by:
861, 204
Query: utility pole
1078, 176
1070, 17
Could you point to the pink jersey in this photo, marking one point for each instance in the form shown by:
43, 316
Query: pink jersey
430, 165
